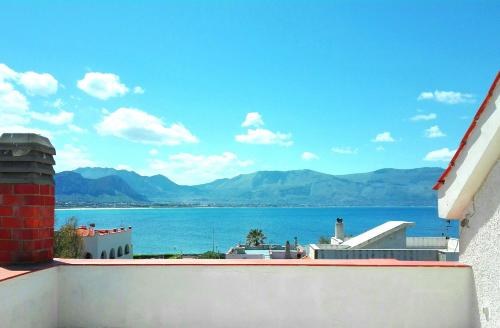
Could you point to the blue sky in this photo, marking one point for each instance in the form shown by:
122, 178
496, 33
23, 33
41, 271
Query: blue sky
199, 90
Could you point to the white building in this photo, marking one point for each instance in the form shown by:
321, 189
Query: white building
265, 252
106, 243
469, 191
386, 241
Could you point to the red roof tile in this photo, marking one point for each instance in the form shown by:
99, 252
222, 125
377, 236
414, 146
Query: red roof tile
481, 109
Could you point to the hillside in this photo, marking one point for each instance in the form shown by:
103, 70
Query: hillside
156, 188
386, 187
72, 187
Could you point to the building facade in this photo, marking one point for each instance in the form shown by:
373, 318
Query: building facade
386, 241
469, 191
106, 243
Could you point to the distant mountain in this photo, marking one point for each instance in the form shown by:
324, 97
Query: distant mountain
386, 187
72, 187
156, 188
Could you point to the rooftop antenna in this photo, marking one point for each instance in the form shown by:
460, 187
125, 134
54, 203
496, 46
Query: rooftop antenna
448, 226
213, 239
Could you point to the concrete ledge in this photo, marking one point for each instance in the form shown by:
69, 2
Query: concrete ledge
9, 272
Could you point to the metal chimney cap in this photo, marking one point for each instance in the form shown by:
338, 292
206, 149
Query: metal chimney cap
340, 220
29, 141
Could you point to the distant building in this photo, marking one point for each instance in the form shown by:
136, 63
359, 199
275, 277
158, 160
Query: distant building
469, 191
387, 240
265, 251
106, 243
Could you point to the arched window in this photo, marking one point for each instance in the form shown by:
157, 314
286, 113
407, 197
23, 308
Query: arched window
88, 255
127, 249
120, 251
104, 255
112, 253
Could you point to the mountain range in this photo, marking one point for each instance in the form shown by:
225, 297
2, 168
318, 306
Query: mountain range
385, 187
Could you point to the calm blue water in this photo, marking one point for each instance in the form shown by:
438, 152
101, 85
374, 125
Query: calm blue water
189, 230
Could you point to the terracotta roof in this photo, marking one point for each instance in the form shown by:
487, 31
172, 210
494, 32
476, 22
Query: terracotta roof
83, 231
480, 111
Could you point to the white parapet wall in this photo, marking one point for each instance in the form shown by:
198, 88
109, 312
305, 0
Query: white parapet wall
245, 293
30, 300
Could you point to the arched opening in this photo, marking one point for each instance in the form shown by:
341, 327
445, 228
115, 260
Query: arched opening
104, 255
112, 253
120, 251
127, 249
88, 255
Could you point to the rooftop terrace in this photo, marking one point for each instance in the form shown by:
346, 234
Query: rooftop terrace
244, 293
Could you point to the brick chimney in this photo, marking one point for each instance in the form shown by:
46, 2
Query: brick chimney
26, 198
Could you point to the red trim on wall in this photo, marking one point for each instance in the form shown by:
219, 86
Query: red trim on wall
481, 109
10, 272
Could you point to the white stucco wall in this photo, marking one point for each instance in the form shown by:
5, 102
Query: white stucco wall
97, 243
480, 247
265, 296
394, 240
476, 160
30, 301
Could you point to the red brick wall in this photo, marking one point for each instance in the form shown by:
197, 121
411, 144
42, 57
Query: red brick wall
26, 223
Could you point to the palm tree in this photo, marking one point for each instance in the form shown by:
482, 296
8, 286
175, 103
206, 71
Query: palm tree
255, 237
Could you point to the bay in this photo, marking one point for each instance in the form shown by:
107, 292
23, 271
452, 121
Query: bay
196, 230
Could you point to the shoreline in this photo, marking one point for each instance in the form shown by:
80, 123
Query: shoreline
224, 207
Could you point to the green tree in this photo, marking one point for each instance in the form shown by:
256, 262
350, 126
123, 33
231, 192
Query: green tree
323, 240
255, 237
67, 243
211, 255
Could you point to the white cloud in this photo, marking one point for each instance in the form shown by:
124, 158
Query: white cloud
253, 119
11, 100
35, 84
185, 168
447, 97
424, 117
7, 73
102, 85
345, 150
138, 126
38, 84
71, 157
261, 136
9, 119
57, 119
434, 132
75, 128
138, 90
24, 129
265, 137
123, 167
153, 152
309, 156
383, 137
440, 155
58, 103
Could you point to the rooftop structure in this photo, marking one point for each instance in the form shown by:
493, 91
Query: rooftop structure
384, 232
106, 243
387, 240
469, 191
265, 251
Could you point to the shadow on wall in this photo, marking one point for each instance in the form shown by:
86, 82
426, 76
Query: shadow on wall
476, 319
481, 211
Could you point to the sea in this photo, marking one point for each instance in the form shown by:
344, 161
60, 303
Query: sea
197, 230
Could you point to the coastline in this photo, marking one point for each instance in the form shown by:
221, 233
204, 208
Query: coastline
225, 207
